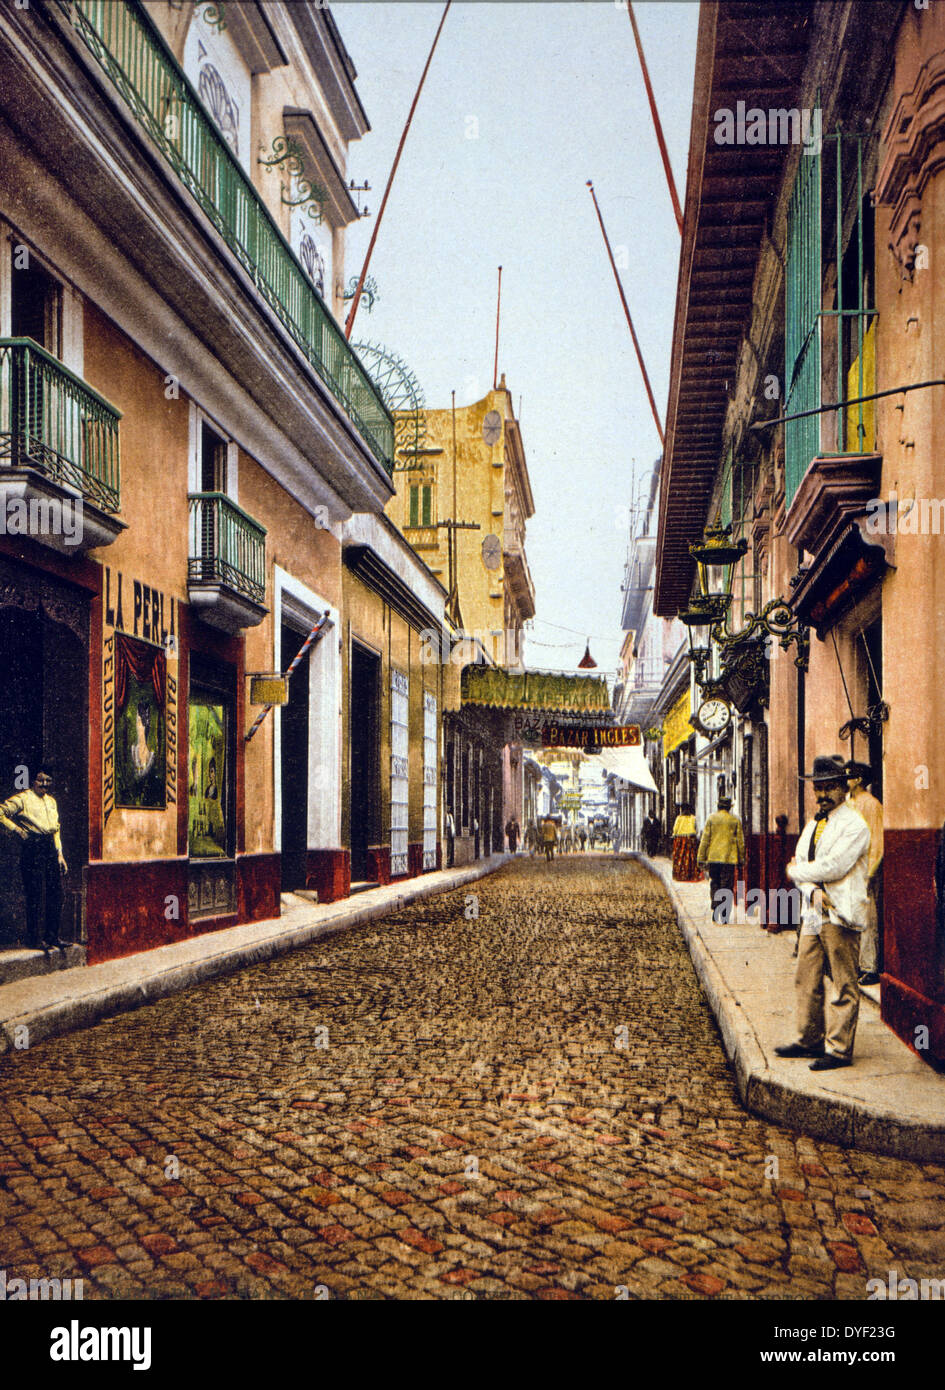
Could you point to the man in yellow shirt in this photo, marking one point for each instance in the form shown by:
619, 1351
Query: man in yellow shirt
859, 779
34, 818
722, 852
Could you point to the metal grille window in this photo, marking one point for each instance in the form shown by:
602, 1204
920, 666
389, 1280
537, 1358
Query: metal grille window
829, 309
429, 781
399, 750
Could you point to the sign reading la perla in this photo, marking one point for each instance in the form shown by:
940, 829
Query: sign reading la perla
138, 609
139, 696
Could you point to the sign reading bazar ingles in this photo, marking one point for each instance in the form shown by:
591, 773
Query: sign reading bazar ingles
579, 736
139, 699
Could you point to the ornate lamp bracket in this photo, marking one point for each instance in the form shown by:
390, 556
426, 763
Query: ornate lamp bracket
775, 619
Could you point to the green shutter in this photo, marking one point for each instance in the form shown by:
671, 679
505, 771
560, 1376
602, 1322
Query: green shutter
427, 509
802, 323
414, 506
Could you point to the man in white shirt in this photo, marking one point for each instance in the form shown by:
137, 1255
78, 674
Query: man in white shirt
830, 867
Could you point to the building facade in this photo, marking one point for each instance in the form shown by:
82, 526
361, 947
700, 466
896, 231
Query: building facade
805, 411
194, 467
463, 499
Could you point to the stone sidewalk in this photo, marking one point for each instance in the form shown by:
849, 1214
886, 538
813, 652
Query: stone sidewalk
889, 1101
48, 1005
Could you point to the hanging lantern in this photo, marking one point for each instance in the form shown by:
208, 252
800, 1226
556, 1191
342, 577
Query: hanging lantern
587, 662
716, 556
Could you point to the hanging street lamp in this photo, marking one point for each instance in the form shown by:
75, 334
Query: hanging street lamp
706, 618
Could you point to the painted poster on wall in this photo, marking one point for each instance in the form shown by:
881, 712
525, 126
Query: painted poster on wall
207, 779
140, 725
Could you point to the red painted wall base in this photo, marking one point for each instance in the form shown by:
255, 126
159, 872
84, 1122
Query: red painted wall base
258, 887
909, 1014
126, 906
328, 873
414, 859
378, 863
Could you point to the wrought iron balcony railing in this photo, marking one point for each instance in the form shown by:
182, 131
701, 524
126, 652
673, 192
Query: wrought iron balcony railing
51, 421
226, 546
126, 43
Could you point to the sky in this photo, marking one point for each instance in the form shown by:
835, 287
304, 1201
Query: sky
523, 103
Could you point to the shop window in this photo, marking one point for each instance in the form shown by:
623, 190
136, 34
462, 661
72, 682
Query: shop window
211, 786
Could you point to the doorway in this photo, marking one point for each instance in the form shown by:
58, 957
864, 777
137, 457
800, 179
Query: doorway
294, 755
364, 721
44, 698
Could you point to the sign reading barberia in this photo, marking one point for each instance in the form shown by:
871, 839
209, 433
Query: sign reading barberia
580, 736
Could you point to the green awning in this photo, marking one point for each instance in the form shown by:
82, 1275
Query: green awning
533, 690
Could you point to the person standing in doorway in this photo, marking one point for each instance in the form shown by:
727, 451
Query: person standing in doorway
650, 834
722, 853
450, 839
859, 779
830, 867
33, 817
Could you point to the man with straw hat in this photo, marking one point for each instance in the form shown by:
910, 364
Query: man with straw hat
830, 867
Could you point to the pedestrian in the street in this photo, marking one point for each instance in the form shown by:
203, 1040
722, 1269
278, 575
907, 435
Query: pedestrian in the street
859, 780
830, 866
450, 839
33, 816
685, 845
650, 835
511, 830
722, 853
549, 838
616, 837
582, 836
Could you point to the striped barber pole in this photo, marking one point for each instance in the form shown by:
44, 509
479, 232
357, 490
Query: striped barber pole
317, 631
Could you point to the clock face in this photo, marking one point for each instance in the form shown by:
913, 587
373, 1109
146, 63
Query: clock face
492, 427
714, 714
492, 552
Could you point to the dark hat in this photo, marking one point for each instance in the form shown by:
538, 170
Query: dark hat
826, 769
861, 770
725, 803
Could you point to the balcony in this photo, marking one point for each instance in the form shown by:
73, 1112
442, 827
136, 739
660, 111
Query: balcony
226, 569
129, 48
59, 468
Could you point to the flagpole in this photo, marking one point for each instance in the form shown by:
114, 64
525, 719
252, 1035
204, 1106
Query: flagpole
400, 149
623, 300
656, 121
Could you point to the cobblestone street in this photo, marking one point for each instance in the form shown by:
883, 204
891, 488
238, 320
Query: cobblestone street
441, 1106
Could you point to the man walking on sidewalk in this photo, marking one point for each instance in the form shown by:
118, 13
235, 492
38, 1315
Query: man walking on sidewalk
722, 852
830, 866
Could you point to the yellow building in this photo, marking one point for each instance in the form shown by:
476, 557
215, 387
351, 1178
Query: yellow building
468, 467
